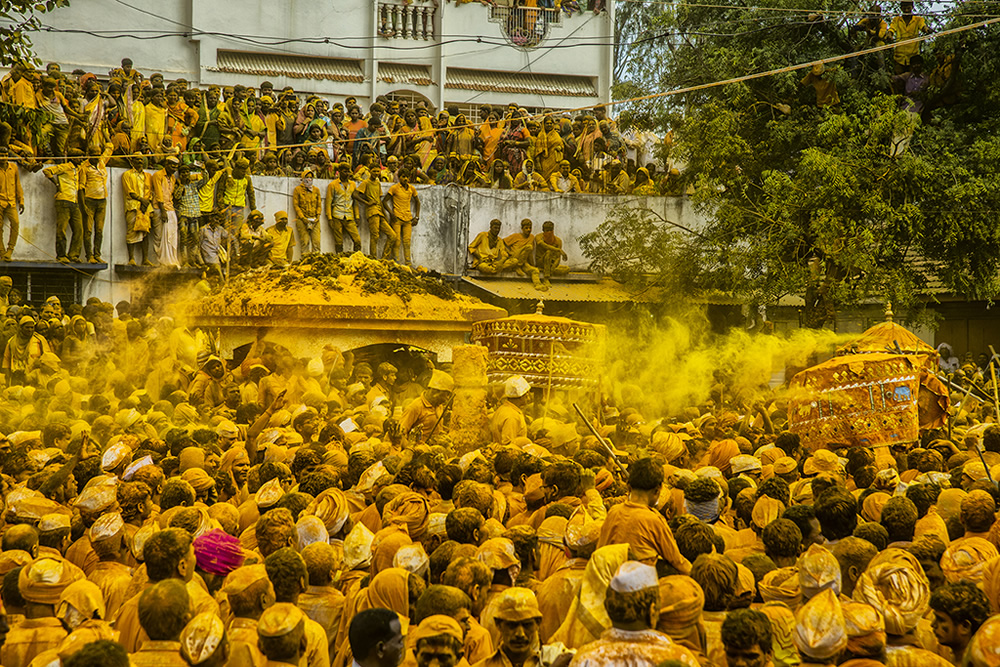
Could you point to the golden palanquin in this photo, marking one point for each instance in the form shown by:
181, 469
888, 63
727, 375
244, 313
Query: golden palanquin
894, 339
547, 351
868, 400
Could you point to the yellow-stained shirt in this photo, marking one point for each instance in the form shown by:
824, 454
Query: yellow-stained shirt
306, 202
401, 200
901, 31
646, 531
339, 202
138, 183
508, 423
243, 649
283, 243
67, 177
11, 193
94, 178
163, 189
158, 654
29, 638
206, 190
113, 578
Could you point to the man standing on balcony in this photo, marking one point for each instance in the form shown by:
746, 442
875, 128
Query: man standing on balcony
369, 193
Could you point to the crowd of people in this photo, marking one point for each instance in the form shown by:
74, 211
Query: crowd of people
283, 133
164, 506
191, 157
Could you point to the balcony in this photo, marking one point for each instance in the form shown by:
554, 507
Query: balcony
407, 19
525, 27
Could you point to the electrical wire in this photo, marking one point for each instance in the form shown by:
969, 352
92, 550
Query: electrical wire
642, 98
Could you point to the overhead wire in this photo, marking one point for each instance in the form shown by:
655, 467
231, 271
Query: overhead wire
641, 98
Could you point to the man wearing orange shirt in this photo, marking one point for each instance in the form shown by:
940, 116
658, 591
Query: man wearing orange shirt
637, 523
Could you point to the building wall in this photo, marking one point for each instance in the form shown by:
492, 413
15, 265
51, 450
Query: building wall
345, 29
450, 217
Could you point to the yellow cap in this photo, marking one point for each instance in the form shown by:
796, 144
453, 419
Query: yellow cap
279, 619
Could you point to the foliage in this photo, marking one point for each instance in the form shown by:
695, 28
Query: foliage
18, 19
844, 206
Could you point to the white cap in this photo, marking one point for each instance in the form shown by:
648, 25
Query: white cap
516, 387
441, 380
634, 576
745, 463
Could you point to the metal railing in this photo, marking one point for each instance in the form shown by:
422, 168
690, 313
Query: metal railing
525, 26
406, 20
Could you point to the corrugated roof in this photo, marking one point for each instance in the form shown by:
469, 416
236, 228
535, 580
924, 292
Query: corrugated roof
521, 82
607, 291
296, 67
414, 75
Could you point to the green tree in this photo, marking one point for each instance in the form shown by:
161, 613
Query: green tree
18, 19
842, 205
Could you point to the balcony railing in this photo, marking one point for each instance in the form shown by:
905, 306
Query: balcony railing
525, 26
406, 20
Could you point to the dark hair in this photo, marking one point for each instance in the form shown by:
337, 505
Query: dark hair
694, 539
20, 536
977, 515
788, 442
717, 575
100, 653
9, 591
368, 629
525, 465
163, 553
645, 474
287, 571
702, 490
439, 599
874, 533
565, 475
273, 530
746, 628
802, 516
176, 492
447, 477
163, 609
774, 487
963, 603
991, 436
462, 525
899, 518
923, 496
782, 539
631, 607
837, 513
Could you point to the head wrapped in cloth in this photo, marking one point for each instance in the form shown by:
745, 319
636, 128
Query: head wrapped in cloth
681, 604
895, 584
865, 629
820, 632
216, 552
782, 634
782, 585
45, 579
965, 560
818, 571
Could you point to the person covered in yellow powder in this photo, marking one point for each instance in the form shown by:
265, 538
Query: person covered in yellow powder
488, 251
549, 252
405, 213
826, 90
508, 421
903, 27
282, 242
521, 254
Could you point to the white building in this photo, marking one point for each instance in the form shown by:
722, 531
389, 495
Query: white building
464, 54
